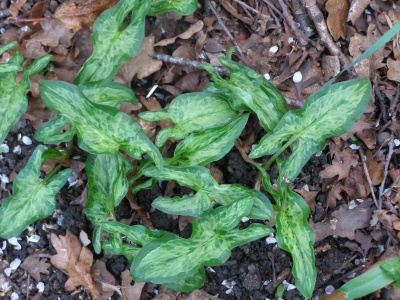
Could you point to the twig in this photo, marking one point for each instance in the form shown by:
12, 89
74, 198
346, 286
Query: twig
272, 11
223, 26
381, 104
317, 17
371, 187
187, 62
292, 25
385, 172
251, 9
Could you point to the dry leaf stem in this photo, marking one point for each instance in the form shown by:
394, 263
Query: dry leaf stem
385, 172
371, 187
272, 11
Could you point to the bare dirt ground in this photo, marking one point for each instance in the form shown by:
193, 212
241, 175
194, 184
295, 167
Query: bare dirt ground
351, 186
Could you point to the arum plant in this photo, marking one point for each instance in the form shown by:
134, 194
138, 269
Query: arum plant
205, 126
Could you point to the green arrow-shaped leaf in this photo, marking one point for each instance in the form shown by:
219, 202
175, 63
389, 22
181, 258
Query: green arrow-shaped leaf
182, 7
247, 90
100, 129
13, 100
209, 193
199, 149
294, 235
189, 113
114, 42
169, 258
32, 198
330, 112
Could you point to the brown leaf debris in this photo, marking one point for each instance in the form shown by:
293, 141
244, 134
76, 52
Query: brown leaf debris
34, 265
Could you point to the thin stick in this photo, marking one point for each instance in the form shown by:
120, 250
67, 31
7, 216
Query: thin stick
223, 26
251, 9
371, 187
385, 172
272, 11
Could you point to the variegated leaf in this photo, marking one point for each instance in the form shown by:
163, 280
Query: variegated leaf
107, 186
330, 112
209, 193
114, 41
13, 100
181, 7
32, 198
247, 90
100, 129
294, 235
190, 113
107, 92
199, 149
170, 258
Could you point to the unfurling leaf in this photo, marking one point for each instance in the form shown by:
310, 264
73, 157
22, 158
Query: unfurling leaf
170, 258
32, 198
114, 42
199, 149
209, 193
13, 100
100, 129
294, 235
76, 261
247, 90
108, 185
330, 112
181, 7
190, 113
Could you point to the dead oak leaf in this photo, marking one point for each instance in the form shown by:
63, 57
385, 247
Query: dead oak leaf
337, 16
34, 265
394, 69
341, 165
76, 261
130, 292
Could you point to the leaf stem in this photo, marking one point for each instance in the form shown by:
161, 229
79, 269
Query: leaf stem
51, 174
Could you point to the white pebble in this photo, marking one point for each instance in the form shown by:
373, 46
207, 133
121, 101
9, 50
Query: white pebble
290, 287
353, 204
329, 289
297, 77
14, 296
318, 154
270, 240
5, 148
15, 264
273, 49
354, 147
40, 287
266, 76
290, 40
7, 271
33, 239
83, 237
396, 142
266, 282
4, 178
25, 28
17, 149
14, 241
73, 179
4, 245
245, 219
210, 269
27, 140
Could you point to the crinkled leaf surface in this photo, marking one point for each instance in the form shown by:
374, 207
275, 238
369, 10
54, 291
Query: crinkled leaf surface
101, 129
330, 112
114, 42
171, 257
247, 90
182, 7
107, 184
13, 100
199, 149
32, 198
107, 92
294, 235
209, 193
189, 113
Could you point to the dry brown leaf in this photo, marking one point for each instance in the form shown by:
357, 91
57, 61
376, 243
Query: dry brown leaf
76, 17
200, 295
194, 28
34, 265
15, 6
387, 218
337, 16
394, 69
357, 8
105, 281
75, 260
331, 66
344, 222
375, 166
364, 129
130, 292
341, 165
308, 196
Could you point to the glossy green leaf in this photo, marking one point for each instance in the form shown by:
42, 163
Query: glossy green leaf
51, 132
169, 258
7, 47
101, 129
107, 92
199, 149
294, 235
247, 90
181, 7
114, 41
330, 112
32, 198
13, 100
209, 193
392, 268
189, 113
188, 284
